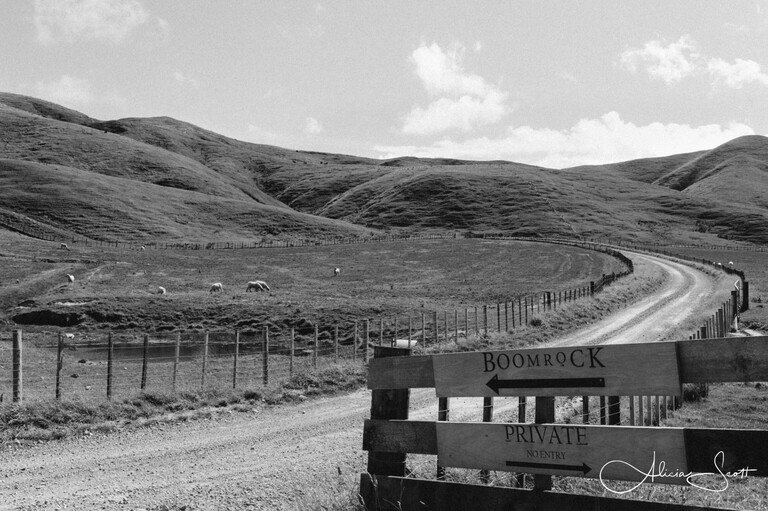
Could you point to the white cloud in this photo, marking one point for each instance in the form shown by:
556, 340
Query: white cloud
67, 90
464, 113
460, 100
608, 139
670, 63
69, 20
186, 80
738, 74
312, 126
675, 61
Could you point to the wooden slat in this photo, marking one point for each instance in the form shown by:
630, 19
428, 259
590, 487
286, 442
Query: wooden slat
401, 373
410, 494
741, 448
699, 360
728, 359
612, 370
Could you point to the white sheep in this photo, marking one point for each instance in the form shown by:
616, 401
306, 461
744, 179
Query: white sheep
64, 246
336, 272
160, 290
257, 285
70, 278
217, 288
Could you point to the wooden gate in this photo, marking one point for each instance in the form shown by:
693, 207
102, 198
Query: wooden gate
700, 457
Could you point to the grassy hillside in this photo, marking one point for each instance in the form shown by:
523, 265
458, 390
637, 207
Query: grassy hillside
141, 179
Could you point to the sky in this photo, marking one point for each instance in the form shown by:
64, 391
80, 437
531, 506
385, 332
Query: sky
555, 83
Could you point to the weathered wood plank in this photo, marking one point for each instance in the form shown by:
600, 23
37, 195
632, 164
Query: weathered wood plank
682, 449
699, 361
383, 493
724, 360
401, 372
566, 371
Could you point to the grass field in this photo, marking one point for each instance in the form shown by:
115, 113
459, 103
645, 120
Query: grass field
116, 289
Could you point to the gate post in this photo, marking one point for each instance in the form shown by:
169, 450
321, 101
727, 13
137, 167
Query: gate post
385, 404
17, 377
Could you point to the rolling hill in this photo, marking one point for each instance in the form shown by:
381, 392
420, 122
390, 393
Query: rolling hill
159, 178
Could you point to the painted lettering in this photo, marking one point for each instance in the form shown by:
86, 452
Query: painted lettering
593, 357
546, 434
489, 365
573, 361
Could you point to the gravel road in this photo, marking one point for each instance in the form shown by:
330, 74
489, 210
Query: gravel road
279, 458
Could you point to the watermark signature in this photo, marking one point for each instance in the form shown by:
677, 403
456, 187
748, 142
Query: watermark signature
720, 483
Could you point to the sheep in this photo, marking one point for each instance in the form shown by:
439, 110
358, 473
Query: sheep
730, 263
160, 290
64, 246
217, 288
70, 278
257, 285
336, 272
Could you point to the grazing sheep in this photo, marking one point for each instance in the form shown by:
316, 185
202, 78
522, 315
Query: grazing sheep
160, 290
217, 288
730, 263
64, 246
70, 278
336, 272
257, 285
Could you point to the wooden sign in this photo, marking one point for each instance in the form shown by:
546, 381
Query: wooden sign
613, 370
607, 452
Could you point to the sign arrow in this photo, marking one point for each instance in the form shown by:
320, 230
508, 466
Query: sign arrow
543, 383
583, 468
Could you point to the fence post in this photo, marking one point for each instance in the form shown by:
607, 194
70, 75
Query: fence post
317, 342
445, 324
367, 341
293, 349
110, 354
487, 417
205, 361
354, 344
265, 358
176, 359
237, 355
443, 414
437, 329
17, 376
423, 330
144, 361
485, 321
585, 409
59, 363
456, 324
506, 316
602, 410
498, 317
614, 410
466, 322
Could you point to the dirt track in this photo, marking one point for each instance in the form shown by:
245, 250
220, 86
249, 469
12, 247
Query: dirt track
277, 459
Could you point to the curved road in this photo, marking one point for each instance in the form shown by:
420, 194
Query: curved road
688, 294
289, 457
